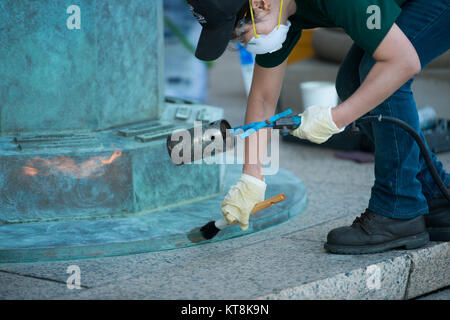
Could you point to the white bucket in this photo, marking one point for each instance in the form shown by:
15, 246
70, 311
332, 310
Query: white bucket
319, 93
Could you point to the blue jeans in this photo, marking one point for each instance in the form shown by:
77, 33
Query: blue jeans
403, 184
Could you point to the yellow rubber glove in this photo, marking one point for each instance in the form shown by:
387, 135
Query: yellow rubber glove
317, 125
241, 198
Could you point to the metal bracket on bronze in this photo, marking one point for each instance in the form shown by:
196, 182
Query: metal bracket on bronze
134, 131
57, 141
203, 115
157, 133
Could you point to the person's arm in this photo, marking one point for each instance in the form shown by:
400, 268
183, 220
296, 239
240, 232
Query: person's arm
262, 102
396, 62
250, 188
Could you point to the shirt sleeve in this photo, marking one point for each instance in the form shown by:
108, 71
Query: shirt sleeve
367, 22
270, 60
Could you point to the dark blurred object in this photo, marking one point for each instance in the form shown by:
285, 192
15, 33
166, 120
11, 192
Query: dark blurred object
438, 137
357, 156
345, 141
185, 75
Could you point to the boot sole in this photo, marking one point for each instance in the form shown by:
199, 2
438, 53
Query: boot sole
439, 234
411, 242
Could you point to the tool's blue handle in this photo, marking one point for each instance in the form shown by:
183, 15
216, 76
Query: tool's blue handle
295, 123
255, 126
286, 123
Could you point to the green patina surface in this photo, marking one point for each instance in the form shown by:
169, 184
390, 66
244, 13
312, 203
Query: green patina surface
171, 228
65, 96
108, 73
77, 179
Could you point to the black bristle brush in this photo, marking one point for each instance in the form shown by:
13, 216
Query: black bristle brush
209, 230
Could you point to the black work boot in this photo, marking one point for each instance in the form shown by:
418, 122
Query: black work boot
438, 219
372, 233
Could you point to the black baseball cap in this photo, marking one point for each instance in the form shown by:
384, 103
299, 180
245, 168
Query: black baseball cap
217, 18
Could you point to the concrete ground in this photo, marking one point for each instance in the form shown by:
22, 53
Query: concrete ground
438, 295
284, 262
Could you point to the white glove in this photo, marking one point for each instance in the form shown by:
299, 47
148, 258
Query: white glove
317, 125
241, 198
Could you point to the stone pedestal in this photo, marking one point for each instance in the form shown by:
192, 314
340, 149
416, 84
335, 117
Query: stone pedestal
105, 74
84, 166
83, 121
170, 228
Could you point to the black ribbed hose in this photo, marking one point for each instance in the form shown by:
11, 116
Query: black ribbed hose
423, 148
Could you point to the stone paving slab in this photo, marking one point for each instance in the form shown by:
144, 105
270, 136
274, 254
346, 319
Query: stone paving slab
396, 279
430, 269
18, 287
384, 280
248, 273
98, 272
314, 164
439, 295
286, 267
317, 212
278, 263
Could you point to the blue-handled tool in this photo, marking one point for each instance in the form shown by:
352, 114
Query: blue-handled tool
281, 121
287, 124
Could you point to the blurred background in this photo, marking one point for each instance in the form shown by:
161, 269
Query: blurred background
85, 170
310, 78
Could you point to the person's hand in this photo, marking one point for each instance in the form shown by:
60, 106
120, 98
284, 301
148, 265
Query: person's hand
241, 198
317, 125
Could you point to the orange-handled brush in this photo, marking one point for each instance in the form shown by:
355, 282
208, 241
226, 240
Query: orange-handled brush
210, 229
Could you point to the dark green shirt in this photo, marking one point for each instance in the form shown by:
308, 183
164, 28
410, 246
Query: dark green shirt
350, 15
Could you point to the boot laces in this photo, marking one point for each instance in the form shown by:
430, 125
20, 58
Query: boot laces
364, 218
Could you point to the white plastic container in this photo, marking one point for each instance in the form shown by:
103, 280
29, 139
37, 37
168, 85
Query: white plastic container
428, 117
318, 93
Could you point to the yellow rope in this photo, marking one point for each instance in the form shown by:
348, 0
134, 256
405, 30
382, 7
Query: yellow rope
253, 18
279, 17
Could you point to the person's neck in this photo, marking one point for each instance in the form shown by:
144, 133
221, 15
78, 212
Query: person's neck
290, 7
